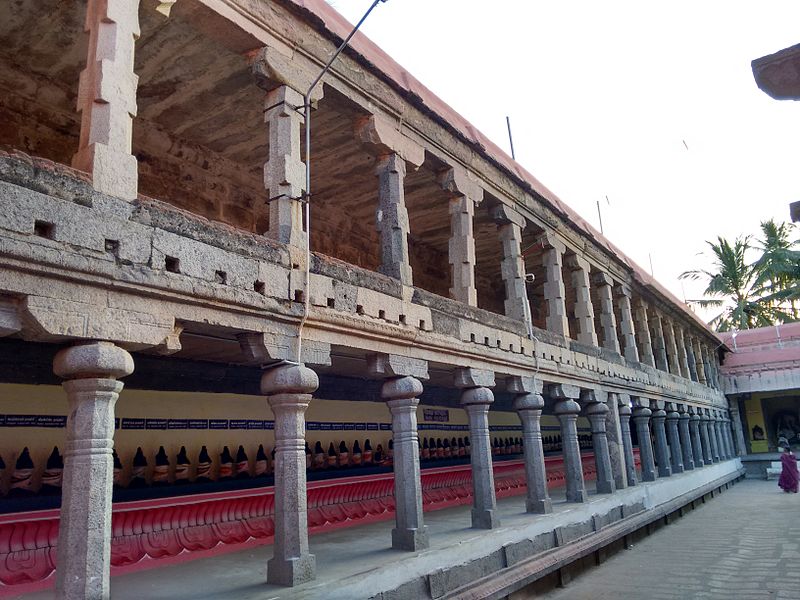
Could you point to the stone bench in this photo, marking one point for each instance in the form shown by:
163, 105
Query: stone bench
774, 469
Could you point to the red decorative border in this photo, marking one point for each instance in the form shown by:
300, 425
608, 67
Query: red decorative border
188, 527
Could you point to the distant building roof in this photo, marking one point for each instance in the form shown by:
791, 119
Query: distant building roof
778, 74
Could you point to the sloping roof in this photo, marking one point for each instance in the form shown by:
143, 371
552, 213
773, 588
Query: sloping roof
762, 349
341, 27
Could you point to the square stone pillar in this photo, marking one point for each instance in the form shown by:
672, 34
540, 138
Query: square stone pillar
683, 359
288, 389
642, 326
695, 427
465, 196
476, 398
674, 364
659, 343
401, 391
690, 357
736, 421
626, 325
674, 438
616, 449
107, 98
509, 227
284, 172
392, 218
699, 364
84, 535
529, 404
584, 311
641, 417
567, 411
686, 438
554, 292
659, 418
608, 320
624, 407
596, 411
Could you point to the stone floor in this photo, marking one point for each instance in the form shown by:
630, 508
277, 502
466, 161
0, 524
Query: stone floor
744, 544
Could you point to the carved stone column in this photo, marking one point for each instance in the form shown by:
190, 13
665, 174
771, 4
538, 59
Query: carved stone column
716, 424
736, 421
288, 389
626, 325
608, 320
712, 437
107, 98
529, 404
699, 364
705, 437
392, 219
726, 434
476, 398
642, 326
466, 195
509, 227
616, 449
641, 416
84, 538
554, 291
596, 411
627, 444
567, 411
690, 357
683, 359
584, 311
695, 427
660, 437
671, 348
659, 343
675, 449
686, 438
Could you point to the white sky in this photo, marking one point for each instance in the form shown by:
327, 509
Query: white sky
601, 96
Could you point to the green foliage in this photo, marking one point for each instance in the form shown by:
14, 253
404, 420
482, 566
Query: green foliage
758, 293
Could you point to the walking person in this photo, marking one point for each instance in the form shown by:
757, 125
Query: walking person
789, 478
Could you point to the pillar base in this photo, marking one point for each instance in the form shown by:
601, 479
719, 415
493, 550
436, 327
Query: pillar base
606, 487
484, 519
291, 572
678, 469
410, 539
539, 507
576, 496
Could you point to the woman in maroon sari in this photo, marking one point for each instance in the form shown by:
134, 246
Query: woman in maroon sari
789, 476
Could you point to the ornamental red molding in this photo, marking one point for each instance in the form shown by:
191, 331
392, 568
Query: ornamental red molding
185, 527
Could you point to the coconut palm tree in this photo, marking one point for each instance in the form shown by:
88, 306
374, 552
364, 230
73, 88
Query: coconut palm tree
778, 267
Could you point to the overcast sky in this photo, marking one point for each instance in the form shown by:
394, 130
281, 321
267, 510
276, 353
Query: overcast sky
602, 97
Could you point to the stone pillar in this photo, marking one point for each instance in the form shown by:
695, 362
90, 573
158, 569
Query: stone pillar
699, 364
712, 437
675, 447
529, 404
84, 537
554, 292
726, 434
509, 228
705, 438
616, 449
671, 347
567, 410
476, 398
107, 98
608, 321
731, 440
686, 438
626, 324
695, 427
716, 424
660, 436
736, 420
466, 194
288, 389
596, 411
627, 444
584, 311
641, 417
683, 359
690, 357
401, 390
642, 326
392, 218
659, 344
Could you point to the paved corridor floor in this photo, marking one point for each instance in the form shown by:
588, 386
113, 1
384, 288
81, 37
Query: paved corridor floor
744, 544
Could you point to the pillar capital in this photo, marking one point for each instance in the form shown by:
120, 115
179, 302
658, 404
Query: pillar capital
602, 279
563, 391
401, 391
525, 385
272, 69
550, 241
478, 396
103, 360
528, 401
467, 377
503, 214
573, 262
289, 378
460, 182
393, 365
382, 138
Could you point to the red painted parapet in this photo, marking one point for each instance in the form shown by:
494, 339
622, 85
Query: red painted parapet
187, 527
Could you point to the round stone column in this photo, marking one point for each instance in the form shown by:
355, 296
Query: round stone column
641, 417
627, 444
675, 447
596, 413
705, 438
84, 535
529, 407
721, 442
476, 402
712, 438
401, 395
662, 450
567, 411
288, 389
686, 439
697, 445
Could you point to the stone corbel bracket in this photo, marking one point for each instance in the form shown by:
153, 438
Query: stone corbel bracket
460, 182
392, 365
273, 346
272, 69
381, 138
